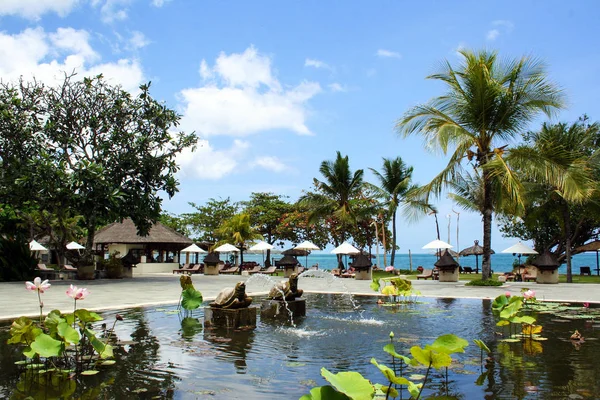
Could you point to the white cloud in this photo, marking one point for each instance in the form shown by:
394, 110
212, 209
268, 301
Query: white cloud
112, 10
240, 96
336, 87
492, 34
208, 163
270, 163
502, 26
34, 9
160, 3
309, 62
388, 54
138, 40
48, 56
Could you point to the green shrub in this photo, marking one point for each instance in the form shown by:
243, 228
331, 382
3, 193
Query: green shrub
481, 282
113, 266
16, 261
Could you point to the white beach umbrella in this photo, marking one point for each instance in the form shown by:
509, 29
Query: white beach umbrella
226, 248
345, 248
193, 248
261, 246
75, 246
35, 246
308, 246
438, 244
519, 249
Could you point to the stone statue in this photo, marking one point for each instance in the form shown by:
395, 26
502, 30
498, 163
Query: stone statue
287, 290
232, 297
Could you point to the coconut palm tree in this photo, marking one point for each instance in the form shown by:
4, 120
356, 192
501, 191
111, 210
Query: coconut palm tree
237, 230
394, 188
563, 161
338, 199
488, 103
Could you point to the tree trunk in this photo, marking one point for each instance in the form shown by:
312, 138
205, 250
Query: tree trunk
567, 222
393, 238
488, 208
88, 257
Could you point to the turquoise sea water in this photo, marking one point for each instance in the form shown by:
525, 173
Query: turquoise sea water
500, 262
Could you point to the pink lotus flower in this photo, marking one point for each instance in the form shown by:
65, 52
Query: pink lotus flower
586, 305
530, 294
507, 293
77, 293
37, 285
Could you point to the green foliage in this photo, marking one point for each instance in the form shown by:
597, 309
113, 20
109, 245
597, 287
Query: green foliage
191, 298
46, 346
16, 261
207, 219
399, 289
481, 282
482, 345
352, 385
113, 266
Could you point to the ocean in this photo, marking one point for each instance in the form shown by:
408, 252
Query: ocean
500, 262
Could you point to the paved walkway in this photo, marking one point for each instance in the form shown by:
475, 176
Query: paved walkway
165, 289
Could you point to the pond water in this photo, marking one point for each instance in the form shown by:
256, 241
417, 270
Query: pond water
177, 358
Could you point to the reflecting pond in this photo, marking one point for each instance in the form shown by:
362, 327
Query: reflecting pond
167, 356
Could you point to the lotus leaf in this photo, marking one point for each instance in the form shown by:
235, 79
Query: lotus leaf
430, 357
191, 299
389, 291
512, 308
86, 316
386, 390
532, 329
375, 285
23, 331
89, 372
351, 383
450, 344
324, 393
391, 350
52, 320
46, 346
66, 331
104, 350
482, 345
389, 374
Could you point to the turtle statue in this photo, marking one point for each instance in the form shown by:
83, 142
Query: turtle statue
232, 297
287, 290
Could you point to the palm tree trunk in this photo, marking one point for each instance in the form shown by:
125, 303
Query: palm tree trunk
486, 267
567, 222
393, 238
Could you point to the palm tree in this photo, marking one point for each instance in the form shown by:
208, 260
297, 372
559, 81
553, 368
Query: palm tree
394, 186
337, 197
488, 104
563, 161
237, 230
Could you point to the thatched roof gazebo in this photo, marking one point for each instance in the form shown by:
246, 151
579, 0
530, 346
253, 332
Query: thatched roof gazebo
122, 237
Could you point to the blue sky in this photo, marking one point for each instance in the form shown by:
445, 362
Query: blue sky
273, 88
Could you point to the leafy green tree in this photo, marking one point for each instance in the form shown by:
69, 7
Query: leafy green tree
296, 228
238, 231
207, 219
175, 222
336, 196
394, 188
106, 153
266, 210
488, 103
561, 160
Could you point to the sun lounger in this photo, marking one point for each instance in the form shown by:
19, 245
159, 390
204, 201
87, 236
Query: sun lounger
585, 271
182, 270
68, 267
427, 274
230, 271
530, 274
335, 272
268, 271
467, 270
254, 270
45, 271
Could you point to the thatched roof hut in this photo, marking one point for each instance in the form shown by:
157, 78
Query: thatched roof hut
126, 233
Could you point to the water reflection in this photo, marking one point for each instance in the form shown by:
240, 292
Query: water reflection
168, 356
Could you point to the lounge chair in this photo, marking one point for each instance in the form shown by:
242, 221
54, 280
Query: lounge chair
348, 274
68, 267
45, 271
335, 272
427, 274
585, 271
269, 271
530, 274
467, 270
195, 269
182, 270
254, 270
230, 271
